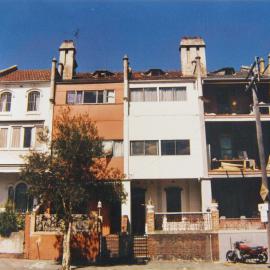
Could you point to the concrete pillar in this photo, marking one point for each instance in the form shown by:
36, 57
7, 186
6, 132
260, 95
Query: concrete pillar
126, 208
206, 194
150, 218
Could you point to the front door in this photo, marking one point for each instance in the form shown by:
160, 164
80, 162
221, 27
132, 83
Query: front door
138, 210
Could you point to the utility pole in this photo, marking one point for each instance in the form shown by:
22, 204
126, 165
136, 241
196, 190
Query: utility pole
254, 76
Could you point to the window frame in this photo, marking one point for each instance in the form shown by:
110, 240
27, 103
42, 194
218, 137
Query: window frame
97, 93
35, 104
143, 93
10, 106
144, 147
175, 147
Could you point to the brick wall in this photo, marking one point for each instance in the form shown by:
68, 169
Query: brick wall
241, 224
186, 246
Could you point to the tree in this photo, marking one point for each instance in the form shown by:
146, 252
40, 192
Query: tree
72, 173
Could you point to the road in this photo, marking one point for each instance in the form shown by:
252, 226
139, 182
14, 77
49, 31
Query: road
12, 264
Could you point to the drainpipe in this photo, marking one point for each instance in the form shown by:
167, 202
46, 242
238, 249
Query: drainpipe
126, 206
206, 190
52, 94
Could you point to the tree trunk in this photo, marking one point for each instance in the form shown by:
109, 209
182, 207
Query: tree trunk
66, 248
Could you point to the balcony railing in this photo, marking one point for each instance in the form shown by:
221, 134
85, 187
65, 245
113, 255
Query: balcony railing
183, 221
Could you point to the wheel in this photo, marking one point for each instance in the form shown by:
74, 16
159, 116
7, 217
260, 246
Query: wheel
231, 256
263, 257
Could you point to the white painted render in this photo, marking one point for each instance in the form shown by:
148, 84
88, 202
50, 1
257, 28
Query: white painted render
167, 120
18, 115
11, 159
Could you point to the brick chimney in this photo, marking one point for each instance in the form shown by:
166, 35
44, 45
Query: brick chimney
67, 62
190, 48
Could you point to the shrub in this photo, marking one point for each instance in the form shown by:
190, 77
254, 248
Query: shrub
8, 223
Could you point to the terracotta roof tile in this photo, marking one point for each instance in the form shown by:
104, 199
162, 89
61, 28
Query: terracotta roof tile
25, 75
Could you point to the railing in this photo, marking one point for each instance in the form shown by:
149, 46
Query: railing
54, 223
183, 221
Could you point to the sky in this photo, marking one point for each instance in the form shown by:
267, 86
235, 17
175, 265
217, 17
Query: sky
148, 31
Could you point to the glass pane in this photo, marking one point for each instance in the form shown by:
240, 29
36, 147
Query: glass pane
21, 197
5, 102
100, 96
182, 147
168, 147
136, 94
70, 97
137, 148
110, 96
107, 147
90, 97
151, 147
150, 94
27, 137
166, 94
3, 137
16, 137
33, 101
180, 94
79, 97
118, 149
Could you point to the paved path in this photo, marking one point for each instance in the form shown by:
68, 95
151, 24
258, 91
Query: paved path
12, 264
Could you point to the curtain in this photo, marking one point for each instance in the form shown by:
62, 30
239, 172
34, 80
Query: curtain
166, 94
110, 96
79, 97
70, 97
118, 149
3, 137
137, 148
150, 94
136, 95
16, 134
151, 148
180, 94
39, 130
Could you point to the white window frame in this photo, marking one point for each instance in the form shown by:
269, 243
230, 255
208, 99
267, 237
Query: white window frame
27, 100
105, 95
3, 92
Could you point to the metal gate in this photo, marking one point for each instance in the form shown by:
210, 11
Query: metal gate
140, 247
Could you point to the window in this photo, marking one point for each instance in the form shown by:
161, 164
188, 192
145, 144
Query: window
144, 148
33, 101
175, 147
143, 94
16, 137
39, 130
173, 199
27, 139
113, 148
3, 137
172, 94
5, 102
90, 97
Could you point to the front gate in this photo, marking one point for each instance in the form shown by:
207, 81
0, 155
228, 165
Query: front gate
127, 247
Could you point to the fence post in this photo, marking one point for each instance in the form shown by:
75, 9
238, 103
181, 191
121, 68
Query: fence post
150, 218
215, 216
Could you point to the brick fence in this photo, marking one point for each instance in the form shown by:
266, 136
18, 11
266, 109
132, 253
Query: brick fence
186, 246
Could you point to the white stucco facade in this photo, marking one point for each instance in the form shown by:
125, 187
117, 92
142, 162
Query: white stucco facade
160, 120
168, 120
21, 119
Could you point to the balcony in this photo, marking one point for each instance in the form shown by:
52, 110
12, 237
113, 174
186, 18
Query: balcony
232, 148
231, 101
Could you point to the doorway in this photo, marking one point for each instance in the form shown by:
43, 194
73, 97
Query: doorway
138, 210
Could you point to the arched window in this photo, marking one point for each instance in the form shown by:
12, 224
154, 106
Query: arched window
33, 101
5, 102
21, 198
